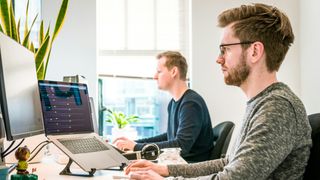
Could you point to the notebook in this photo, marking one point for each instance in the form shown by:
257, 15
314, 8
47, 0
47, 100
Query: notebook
68, 124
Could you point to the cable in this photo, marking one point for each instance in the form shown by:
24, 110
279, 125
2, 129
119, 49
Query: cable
12, 167
11, 144
48, 142
5, 154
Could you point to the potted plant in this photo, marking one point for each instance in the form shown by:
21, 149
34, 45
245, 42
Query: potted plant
11, 28
121, 124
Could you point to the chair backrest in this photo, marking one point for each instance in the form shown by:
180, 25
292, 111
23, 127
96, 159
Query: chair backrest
312, 169
221, 139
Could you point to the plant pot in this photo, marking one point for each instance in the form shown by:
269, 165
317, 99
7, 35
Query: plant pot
128, 132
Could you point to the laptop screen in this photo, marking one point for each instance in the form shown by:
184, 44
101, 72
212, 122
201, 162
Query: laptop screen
65, 107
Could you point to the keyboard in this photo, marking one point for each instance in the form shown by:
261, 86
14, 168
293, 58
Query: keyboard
83, 145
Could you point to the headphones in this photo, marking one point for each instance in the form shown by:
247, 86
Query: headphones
149, 152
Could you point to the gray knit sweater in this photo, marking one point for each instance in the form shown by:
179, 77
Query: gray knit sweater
274, 142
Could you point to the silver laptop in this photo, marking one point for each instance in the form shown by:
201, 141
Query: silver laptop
68, 124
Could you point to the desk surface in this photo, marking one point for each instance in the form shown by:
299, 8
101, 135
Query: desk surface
49, 169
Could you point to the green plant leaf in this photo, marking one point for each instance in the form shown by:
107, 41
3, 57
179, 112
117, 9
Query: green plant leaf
18, 31
47, 33
9, 27
14, 34
40, 56
119, 119
26, 22
41, 35
25, 42
31, 47
57, 28
5, 17
49, 53
47, 61
60, 18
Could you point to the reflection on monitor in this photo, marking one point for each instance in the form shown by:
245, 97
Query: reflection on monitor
19, 94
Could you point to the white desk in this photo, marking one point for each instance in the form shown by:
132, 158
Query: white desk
48, 169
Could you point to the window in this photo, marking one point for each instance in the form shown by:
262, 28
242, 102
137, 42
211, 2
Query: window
130, 34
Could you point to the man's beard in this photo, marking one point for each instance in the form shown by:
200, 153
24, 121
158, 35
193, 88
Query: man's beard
237, 75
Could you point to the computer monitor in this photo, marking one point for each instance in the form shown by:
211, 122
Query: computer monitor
19, 93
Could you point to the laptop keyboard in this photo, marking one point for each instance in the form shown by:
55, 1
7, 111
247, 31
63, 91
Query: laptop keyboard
83, 145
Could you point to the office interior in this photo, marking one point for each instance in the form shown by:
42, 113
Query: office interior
75, 52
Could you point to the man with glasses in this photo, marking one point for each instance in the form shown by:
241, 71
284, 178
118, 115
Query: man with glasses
275, 136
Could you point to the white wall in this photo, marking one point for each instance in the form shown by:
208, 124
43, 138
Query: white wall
74, 50
309, 57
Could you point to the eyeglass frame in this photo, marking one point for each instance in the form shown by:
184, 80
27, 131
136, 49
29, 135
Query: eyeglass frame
222, 52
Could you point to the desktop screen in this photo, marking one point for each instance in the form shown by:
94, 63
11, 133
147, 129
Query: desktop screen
19, 94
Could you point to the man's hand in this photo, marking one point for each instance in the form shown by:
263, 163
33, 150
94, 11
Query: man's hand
145, 175
145, 165
124, 144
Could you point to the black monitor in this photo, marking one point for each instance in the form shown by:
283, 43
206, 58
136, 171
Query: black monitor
19, 93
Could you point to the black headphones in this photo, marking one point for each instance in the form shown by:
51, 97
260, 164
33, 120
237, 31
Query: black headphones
149, 152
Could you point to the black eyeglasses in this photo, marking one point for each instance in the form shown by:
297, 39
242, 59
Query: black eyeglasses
223, 50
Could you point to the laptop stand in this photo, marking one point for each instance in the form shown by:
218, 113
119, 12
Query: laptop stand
66, 171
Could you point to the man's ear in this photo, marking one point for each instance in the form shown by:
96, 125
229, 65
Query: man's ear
174, 72
256, 52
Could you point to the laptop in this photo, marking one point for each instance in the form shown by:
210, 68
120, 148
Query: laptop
68, 124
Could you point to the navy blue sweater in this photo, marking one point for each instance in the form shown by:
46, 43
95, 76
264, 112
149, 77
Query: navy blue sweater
189, 127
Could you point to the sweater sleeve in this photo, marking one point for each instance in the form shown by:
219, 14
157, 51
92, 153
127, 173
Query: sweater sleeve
143, 142
267, 141
197, 169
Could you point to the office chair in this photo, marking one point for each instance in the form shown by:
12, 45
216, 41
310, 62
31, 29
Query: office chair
312, 169
221, 139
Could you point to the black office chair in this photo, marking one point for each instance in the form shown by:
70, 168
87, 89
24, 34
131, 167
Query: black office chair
312, 169
221, 139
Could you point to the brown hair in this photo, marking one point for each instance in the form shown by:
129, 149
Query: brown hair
175, 59
264, 23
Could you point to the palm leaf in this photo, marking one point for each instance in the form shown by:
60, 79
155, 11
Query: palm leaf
40, 57
26, 38
1, 27
5, 17
60, 18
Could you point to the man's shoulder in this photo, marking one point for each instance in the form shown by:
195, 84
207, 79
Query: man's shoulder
191, 95
278, 93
